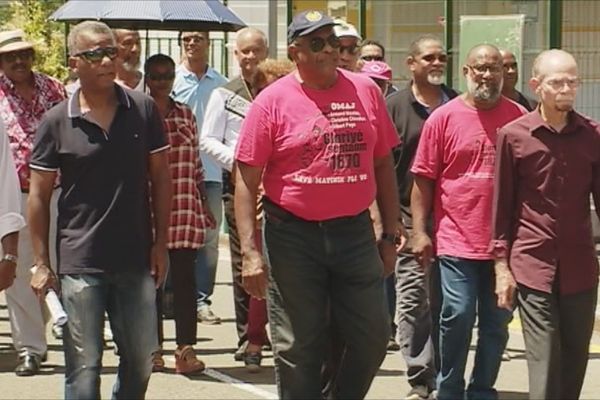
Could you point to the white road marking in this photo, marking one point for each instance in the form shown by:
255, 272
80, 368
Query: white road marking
248, 387
265, 394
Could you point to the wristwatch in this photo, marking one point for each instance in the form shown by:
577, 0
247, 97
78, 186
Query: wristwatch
390, 237
10, 257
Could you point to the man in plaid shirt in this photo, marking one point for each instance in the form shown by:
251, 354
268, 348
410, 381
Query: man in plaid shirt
190, 215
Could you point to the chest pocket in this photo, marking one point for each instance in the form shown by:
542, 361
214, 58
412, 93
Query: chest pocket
182, 136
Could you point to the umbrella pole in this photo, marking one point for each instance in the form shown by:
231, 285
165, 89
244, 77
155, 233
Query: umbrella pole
147, 46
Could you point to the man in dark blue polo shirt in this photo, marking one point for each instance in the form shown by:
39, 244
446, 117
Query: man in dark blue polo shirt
108, 144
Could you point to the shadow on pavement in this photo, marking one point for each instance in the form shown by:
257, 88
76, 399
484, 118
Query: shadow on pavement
390, 372
513, 395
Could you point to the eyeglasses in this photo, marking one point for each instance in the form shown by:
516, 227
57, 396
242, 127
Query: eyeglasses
318, 43
195, 38
443, 58
97, 55
372, 58
167, 76
558, 84
14, 55
350, 49
483, 68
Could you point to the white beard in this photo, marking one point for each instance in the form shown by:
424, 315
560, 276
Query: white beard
435, 79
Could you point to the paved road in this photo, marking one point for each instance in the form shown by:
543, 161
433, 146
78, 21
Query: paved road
227, 379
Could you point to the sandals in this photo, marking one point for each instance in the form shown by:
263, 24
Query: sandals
186, 361
158, 363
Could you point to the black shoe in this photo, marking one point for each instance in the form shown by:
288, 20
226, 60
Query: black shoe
252, 361
29, 366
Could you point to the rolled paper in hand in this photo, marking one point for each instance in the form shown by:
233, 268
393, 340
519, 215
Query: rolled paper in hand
59, 316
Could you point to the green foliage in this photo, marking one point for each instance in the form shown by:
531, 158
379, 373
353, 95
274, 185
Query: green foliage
48, 37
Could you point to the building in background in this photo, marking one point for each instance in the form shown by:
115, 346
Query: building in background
570, 24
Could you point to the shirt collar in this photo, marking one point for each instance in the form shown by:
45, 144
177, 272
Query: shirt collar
74, 108
210, 72
9, 84
574, 122
413, 99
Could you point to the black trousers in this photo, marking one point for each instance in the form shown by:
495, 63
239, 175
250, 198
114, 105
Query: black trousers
181, 270
241, 299
557, 330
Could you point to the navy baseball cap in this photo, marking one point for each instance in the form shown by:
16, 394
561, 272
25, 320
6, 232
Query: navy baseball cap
307, 22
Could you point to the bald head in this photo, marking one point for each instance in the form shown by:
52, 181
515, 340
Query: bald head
554, 79
483, 51
511, 73
552, 61
250, 34
483, 73
507, 53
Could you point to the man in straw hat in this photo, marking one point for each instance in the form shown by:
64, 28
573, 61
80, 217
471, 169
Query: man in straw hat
24, 98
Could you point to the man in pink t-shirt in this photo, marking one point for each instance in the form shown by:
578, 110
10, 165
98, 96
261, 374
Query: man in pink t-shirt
320, 139
454, 170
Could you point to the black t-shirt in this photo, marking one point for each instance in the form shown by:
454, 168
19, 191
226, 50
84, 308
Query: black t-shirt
103, 211
408, 116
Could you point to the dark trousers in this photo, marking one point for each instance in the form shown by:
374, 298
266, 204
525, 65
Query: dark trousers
417, 316
557, 330
250, 314
316, 268
181, 270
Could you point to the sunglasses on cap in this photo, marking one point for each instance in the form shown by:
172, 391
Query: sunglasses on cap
97, 55
318, 43
167, 76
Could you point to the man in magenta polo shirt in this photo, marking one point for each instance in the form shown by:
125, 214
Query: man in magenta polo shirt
454, 170
548, 164
323, 139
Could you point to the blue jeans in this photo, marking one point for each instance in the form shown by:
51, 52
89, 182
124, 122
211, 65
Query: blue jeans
128, 298
467, 292
208, 255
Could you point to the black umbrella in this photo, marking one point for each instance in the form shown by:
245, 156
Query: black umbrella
197, 15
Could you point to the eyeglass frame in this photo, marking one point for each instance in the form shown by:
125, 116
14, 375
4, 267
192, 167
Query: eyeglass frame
492, 69
104, 50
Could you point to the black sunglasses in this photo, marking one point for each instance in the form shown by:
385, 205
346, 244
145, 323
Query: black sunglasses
318, 43
21, 55
371, 58
167, 76
98, 55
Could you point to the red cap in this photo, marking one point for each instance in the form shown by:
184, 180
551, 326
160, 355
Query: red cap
377, 70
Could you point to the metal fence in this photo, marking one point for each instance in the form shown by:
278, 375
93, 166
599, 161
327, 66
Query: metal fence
169, 45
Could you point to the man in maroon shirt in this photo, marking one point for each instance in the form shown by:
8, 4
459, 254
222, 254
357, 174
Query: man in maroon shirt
547, 163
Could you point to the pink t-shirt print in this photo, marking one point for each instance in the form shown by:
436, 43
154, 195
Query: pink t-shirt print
457, 149
318, 146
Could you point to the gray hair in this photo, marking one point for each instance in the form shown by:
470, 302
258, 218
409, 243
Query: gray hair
416, 47
251, 31
86, 28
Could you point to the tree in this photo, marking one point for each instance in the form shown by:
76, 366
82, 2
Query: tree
47, 36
